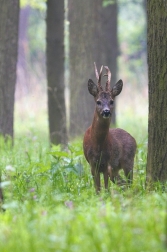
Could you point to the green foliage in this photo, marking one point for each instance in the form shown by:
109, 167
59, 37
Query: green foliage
132, 40
132, 27
132, 61
133, 44
50, 203
67, 167
37, 4
108, 2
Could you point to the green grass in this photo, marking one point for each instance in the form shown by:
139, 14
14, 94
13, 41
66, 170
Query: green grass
50, 201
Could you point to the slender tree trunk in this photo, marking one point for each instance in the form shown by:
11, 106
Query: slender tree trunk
9, 17
157, 71
55, 71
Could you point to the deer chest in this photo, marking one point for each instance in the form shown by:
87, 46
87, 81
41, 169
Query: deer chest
99, 159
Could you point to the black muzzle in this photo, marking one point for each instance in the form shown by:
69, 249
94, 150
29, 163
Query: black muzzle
106, 113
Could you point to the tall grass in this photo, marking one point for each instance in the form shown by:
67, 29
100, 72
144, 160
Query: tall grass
50, 202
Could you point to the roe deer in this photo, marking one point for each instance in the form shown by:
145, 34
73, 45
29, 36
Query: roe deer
107, 150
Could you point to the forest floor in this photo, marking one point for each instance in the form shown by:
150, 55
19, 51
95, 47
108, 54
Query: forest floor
49, 197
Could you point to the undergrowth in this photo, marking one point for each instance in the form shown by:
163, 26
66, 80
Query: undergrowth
50, 203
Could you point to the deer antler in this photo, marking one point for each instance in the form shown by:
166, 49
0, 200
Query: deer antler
96, 72
98, 76
108, 74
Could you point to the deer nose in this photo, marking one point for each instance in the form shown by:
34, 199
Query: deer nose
106, 113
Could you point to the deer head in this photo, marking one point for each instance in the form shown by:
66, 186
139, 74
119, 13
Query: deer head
104, 98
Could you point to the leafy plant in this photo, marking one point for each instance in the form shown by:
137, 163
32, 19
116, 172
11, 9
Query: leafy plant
50, 203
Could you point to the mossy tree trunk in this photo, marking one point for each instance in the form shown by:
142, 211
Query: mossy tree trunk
9, 20
55, 71
157, 73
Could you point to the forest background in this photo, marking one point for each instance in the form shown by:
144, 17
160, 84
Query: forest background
31, 85
49, 198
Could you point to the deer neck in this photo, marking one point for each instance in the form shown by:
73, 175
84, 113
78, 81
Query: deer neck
99, 129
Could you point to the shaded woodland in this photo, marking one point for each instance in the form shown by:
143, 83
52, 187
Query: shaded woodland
47, 195
77, 35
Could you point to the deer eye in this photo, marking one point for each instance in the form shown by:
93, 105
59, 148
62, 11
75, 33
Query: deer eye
98, 102
111, 102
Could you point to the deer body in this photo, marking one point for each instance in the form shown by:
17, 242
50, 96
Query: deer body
107, 150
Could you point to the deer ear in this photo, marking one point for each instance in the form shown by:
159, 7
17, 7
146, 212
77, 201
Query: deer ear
117, 88
92, 87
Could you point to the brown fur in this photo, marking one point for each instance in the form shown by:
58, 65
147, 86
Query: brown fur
107, 150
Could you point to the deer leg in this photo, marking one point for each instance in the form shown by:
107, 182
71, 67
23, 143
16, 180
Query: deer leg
110, 173
119, 180
105, 174
129, 176
115, 177
97, 182
128, 171
96, 178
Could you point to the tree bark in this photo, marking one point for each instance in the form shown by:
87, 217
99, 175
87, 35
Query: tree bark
9, 19
157, 73
55, 71
93, 32
110, 43
83, 44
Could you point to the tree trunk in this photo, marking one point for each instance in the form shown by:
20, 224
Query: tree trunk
83, 44
93, 38
110, 43
9, 17
55, 71
157, 73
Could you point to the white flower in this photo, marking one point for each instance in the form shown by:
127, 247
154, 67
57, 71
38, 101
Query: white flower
10, 168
